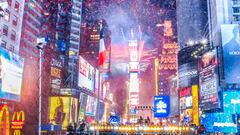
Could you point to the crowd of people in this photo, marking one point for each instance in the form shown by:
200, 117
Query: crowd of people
77, 129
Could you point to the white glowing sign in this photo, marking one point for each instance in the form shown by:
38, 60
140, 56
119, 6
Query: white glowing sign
134, 84
132, 42
133, 55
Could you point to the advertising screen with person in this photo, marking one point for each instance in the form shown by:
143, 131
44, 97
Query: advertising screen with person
208, 81
63, 110
231, 53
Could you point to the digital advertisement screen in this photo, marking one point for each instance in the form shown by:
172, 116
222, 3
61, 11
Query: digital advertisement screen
86, 75
231, 102
182, 103
91, 106
188, 74
56, 74
188, 101
82, 105
219, 122
231, 52
208, 81
173, 87
11, 74
224, 121
161, 106
63, 110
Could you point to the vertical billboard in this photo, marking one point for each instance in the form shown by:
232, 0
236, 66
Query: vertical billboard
63, 110
56, 75
82, 106
208, 81
91, 106
231, 53
173, 87
86, 75
161, 106
133, 90
195, 104
11, 73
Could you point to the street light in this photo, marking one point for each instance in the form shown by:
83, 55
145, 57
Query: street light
40, 44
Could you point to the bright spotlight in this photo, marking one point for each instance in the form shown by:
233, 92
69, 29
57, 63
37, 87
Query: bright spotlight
204, 41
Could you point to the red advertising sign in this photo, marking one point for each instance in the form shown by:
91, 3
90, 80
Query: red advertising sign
184, 92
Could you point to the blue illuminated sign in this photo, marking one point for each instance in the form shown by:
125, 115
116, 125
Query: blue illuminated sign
226, 121
161, 106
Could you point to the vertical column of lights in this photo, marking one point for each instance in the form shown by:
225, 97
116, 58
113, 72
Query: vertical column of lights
133, 73
168, 57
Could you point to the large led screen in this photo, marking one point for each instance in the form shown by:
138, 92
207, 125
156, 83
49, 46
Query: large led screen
188, 74
231, 52
86, 75
63, 110
11, 73
224, 121
208, 81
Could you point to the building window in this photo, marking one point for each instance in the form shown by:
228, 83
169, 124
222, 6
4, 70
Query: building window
9, 2
5, 30
17, 6
236, 18
7, 15
236, 9
236, 2
13, 35
11, 48
15, 20
3, 44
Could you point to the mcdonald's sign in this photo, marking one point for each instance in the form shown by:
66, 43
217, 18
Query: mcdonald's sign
18, 119
17, 132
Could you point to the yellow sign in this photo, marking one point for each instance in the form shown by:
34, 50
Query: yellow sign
63, 110
4, 120
18, 119
195, 105
17, 132
55, 72
156, 75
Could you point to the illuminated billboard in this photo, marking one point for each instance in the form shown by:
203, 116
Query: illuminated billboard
133, 90
86, 75
231, 52
208, 81
225, 121
134, 82
63, 110
188, 74
11, 74
91, 106
56, 74
161, 106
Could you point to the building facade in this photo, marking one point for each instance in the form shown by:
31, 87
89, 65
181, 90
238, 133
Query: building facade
11, 25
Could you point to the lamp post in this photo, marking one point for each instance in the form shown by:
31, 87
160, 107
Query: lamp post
40, 43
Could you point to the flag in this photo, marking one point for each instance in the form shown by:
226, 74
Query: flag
102, 50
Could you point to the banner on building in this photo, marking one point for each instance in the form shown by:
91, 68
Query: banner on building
11, 75
208, 81
63, 110
231, 53
161, 106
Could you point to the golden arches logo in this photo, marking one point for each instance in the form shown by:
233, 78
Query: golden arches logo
18, 119
17, 132
5, 113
